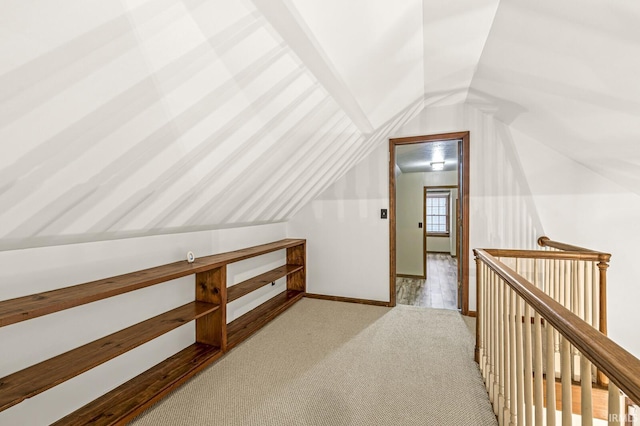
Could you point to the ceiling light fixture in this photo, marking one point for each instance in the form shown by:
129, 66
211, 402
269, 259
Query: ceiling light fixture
437, 165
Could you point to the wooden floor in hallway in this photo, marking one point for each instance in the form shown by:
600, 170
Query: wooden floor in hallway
437, 291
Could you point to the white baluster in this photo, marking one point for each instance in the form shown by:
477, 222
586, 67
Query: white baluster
528, 367
565, 377
538, 371
514, 372
500, 355
520, 360
586, 409
551, 383
615, 417
506, 369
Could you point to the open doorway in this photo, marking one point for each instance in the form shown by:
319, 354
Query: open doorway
440, 287
429, 217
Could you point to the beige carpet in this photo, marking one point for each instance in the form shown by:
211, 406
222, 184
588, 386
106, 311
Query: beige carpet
332, 363
470, 322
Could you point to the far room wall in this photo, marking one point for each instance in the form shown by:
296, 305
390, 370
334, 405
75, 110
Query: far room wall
409, 199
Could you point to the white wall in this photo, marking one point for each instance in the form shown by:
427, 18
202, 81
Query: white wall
581, 207
346, 216
409, 240
29, 271
348, 243
409, 212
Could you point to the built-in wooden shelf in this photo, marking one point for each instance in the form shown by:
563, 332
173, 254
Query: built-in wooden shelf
213, 336
33, 380
246, 287
133, 397
243, 327
35, 305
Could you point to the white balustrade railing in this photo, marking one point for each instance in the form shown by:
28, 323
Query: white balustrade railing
538, 317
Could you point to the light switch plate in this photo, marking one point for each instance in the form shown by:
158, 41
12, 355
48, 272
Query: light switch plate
383, 213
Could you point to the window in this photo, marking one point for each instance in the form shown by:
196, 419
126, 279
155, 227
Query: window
438, 214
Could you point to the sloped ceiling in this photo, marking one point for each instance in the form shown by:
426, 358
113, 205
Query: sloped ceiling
567, 74
141, 117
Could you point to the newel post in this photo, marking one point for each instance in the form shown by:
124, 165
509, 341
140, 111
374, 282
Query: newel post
479, 313
603, 264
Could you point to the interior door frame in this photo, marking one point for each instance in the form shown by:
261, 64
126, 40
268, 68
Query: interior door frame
463, 193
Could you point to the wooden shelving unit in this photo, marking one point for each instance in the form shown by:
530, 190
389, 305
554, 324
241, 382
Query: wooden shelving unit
35, 305
38, 378
213, 336
246, 287
243, 327
133, 397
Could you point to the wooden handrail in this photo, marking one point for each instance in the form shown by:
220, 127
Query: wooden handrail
542, 254
619, 365
545, 241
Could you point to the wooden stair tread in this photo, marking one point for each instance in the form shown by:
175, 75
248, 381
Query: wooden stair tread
35, 305
237, 291
243, 327
134, 396
33, 380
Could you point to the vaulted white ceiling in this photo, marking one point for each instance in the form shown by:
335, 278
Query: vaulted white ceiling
567, 74
149, 116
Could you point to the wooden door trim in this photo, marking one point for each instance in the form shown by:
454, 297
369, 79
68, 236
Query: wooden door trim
457, 220
462, 194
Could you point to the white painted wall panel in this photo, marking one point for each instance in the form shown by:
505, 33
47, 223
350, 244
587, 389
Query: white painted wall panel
582, 207
348, 243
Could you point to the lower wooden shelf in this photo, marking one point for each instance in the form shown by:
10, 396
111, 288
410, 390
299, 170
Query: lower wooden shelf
33, 380
130, 399
243, 327
213, 336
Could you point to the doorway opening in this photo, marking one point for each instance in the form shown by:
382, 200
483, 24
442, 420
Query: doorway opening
429, 220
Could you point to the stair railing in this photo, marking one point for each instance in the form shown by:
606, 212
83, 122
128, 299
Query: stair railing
520, 325
596, 259
573, 276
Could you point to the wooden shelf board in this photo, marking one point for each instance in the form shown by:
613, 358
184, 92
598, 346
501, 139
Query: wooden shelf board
243, 327
130, 399
35, 305
33, 380
237, 291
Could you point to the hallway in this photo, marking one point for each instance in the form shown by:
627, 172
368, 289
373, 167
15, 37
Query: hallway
439, 289
336, 364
